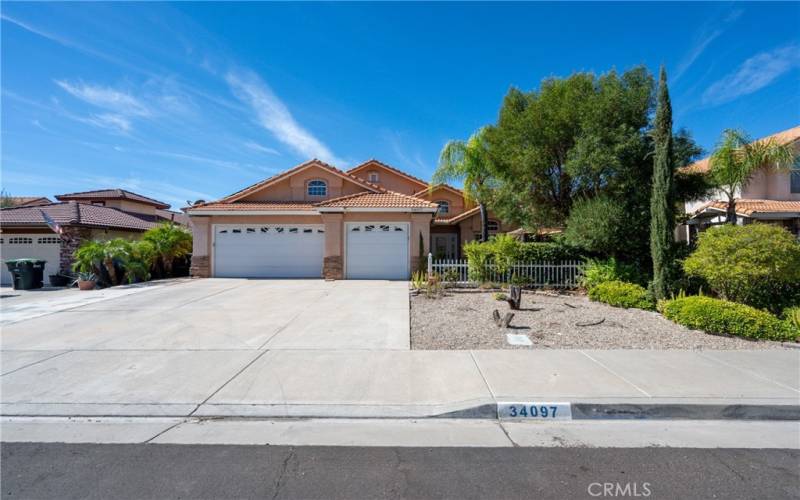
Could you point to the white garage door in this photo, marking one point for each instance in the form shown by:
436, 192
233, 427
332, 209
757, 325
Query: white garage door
33, 246
268, 251
377, 251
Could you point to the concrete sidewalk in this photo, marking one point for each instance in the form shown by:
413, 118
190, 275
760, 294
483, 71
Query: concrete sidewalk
401, 384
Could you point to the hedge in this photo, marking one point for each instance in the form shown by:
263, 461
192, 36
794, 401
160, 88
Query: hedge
723, 317
621, 294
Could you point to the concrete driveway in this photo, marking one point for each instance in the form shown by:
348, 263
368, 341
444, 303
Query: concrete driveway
228, 314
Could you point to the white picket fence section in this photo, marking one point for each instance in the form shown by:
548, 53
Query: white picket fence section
561, 274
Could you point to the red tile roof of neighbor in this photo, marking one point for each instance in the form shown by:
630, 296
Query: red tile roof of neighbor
74, 214
784, 137
111, 194
28, 201
459, 217
749, 207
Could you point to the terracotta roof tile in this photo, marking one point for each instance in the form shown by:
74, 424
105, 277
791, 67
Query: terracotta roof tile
457, 218
28, 201
749, 207
783, 137
111, 194
74, 214
386, 199
255, 205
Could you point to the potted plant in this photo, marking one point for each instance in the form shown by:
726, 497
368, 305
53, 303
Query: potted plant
86, 281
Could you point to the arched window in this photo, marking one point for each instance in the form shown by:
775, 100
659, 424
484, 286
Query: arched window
492, 225
444, 206
317, 188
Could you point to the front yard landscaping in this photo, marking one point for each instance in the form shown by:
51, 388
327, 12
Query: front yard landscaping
463, 320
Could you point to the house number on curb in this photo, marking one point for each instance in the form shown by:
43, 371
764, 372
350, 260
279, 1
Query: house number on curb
535, 410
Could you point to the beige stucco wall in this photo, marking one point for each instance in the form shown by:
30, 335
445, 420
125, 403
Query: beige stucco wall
389, 180
770, 186
294, 188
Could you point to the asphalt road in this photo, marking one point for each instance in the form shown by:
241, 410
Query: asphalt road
105, 471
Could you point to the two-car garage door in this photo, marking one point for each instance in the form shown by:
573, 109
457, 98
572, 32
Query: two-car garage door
372, 251
268, 251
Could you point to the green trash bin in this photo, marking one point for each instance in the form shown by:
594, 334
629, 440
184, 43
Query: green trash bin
28, 274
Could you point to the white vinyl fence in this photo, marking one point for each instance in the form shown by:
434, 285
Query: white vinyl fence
561, 274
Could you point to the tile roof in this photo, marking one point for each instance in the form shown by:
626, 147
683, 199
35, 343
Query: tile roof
784, 137
72, 213
387, 199
748, 207
440, 186
372, 161
111, 194
28, 201
254, 205
459, 217
275, 178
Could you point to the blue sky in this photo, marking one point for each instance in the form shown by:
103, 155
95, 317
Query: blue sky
197, 100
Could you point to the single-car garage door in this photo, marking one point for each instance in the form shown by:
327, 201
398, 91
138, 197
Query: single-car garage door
34, 246
268, 251
377, 250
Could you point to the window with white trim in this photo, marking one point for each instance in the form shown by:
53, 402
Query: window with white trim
373, 177
317, 188
444, 207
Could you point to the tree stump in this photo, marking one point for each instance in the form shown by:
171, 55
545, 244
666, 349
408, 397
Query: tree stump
514, 297
503, 321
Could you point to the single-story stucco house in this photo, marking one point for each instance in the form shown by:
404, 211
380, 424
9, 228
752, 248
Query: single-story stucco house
315, 220
100, 214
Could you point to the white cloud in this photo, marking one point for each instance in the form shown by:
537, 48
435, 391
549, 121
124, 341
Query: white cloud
703, 40
106, 97
754, 74
109, 121
275, 117
261, 149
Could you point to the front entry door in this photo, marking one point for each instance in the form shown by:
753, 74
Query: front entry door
445, 246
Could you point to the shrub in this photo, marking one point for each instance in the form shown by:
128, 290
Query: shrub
792, 316
756, 264
723, 317
549, 252
621, 294
504, 251
598, 225
170, 242
601, 271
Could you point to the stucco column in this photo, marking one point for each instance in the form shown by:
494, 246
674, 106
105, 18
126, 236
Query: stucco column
201, 267
333, 265
420, 225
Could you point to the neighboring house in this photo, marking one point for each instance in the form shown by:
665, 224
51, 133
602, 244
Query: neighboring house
315, 220
25, 201
769, 197
104, 214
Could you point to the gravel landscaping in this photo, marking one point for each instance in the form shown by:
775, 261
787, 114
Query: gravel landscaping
463, 320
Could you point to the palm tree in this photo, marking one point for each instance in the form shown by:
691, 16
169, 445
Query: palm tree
737, 158
468, 162
169, 243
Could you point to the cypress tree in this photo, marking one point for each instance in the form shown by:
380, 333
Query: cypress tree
662, 198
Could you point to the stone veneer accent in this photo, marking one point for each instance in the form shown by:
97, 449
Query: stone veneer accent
71, 239
200, 267
332, 268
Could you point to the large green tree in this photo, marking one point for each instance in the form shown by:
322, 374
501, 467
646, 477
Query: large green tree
469, 162
662, 198
578, 138
735, 160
